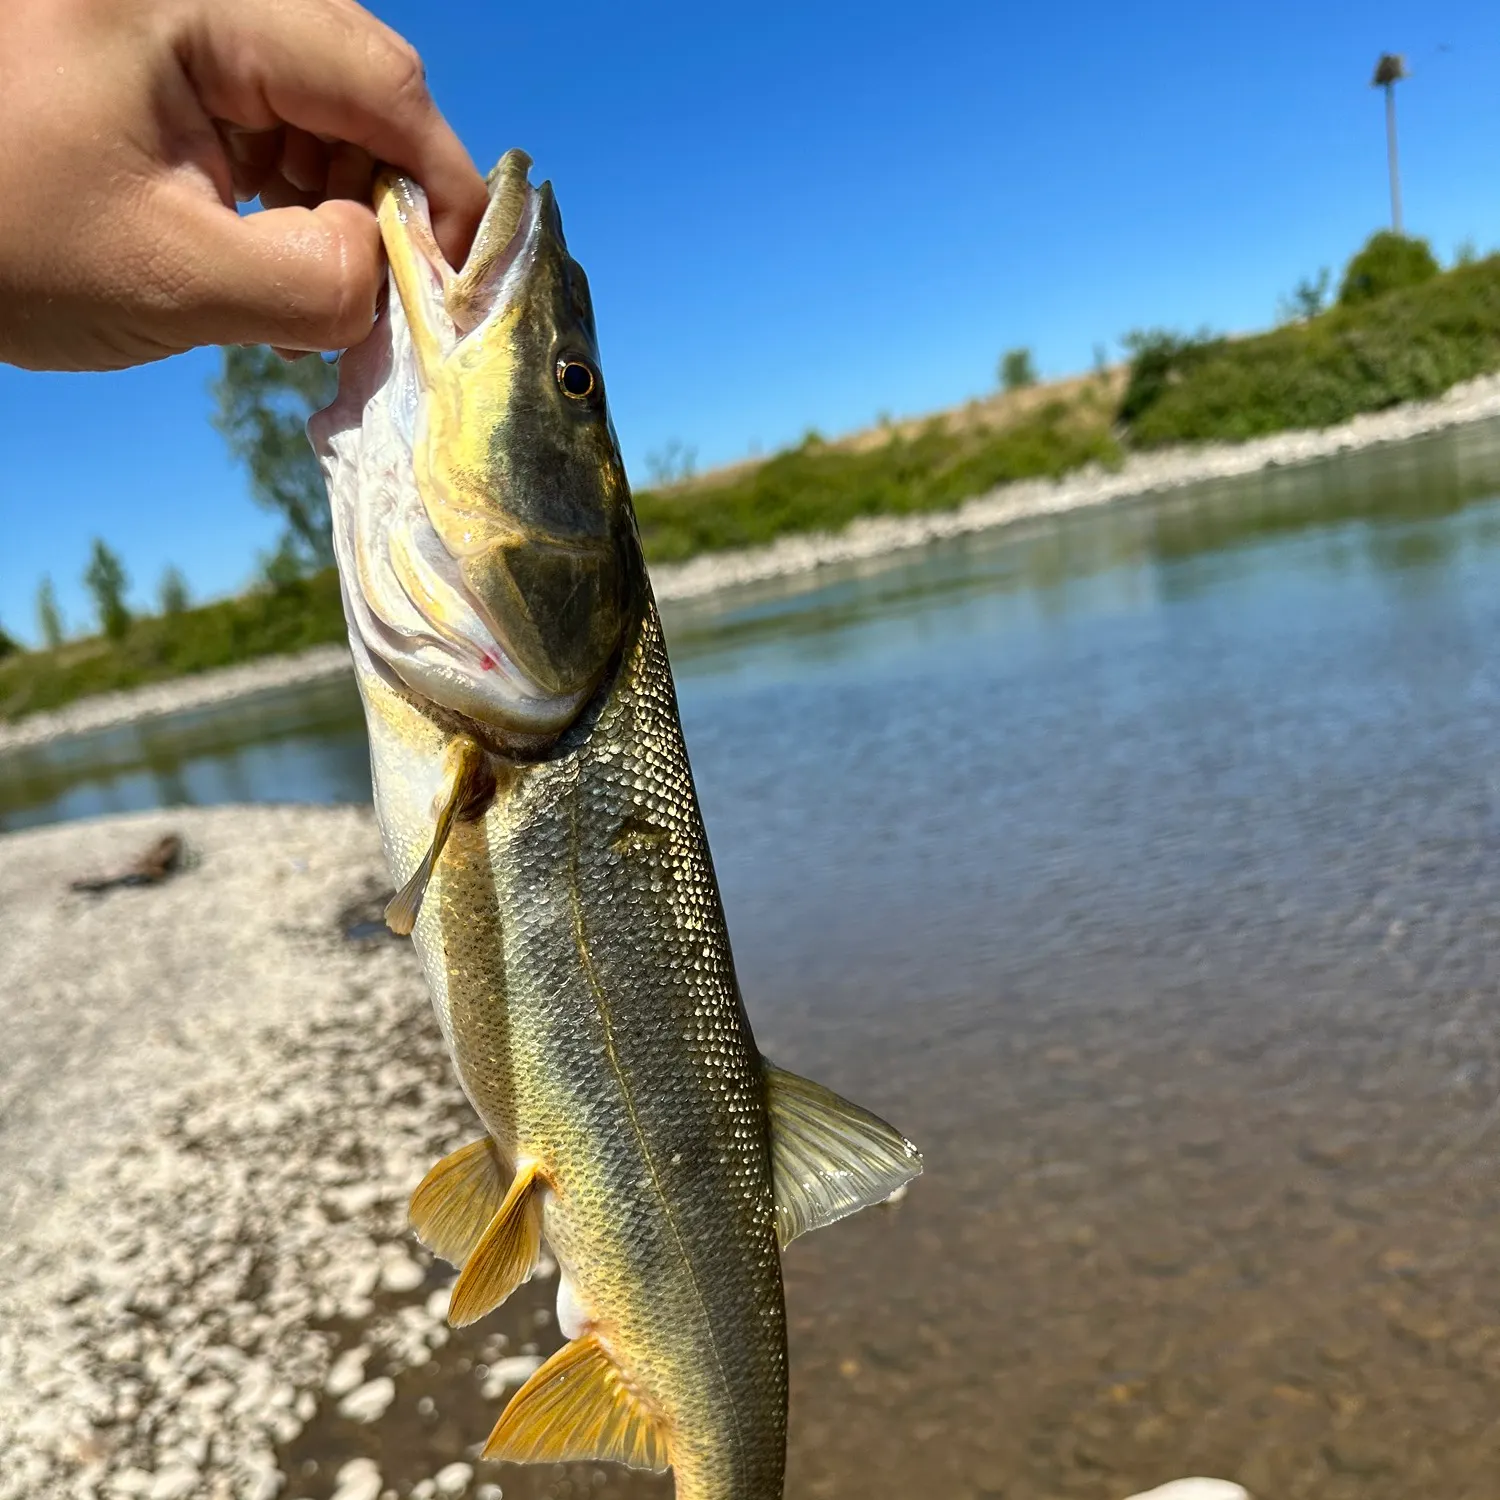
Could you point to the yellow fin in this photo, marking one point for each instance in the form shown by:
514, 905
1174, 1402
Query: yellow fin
829, 1158
471, 783
578, 1407
456, 1200
505, 1255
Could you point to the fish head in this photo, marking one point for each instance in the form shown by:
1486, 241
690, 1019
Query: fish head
482, 517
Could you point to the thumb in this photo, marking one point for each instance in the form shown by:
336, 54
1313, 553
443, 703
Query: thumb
297, 278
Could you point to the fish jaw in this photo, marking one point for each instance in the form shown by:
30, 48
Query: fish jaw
481, 519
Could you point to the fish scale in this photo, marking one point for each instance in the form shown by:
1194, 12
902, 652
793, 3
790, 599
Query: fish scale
537, 804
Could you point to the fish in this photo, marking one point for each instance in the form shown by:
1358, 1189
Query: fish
538, 810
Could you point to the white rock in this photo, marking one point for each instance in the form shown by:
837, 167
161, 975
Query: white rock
398, 1271
489, 1492
454, 1479
505, 1374
369, 1401
347, 1371
1195, 1489
359, 1479
174, 1483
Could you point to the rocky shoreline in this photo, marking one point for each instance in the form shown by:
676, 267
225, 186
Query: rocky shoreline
216, 1094
1474, 401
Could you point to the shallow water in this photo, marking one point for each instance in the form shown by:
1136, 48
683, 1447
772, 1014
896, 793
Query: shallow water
1144, 866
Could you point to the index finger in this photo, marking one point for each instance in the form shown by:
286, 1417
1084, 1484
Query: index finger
331, 68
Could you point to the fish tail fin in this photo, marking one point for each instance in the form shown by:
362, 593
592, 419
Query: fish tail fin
455, 1202
505, 1254
578, 1407
829, 1158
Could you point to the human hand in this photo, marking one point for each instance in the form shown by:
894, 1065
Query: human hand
128, 130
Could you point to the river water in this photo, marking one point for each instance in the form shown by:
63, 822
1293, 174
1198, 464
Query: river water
1144, 866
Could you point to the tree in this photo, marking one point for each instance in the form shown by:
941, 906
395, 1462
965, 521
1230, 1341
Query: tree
172, 591
1309, 297
673, 463
48, 616
261, 407
105, 579
1016, 370
1387, 262
8, 644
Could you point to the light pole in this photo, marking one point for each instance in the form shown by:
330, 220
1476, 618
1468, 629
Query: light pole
1388, 72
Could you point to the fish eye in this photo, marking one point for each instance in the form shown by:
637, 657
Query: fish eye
577, 379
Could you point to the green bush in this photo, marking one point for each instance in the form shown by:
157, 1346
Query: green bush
1387, 263
1017, 370
1411, 344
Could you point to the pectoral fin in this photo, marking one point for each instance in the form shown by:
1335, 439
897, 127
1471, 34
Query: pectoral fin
457, 1199
575, 1408
829, 1158
505, 1254
471, 783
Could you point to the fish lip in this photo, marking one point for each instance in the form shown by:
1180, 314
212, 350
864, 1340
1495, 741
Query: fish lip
407, 599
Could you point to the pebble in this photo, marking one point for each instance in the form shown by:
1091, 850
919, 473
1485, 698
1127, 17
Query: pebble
454, 1479
175, 1483
1195, 1489
398, 1271
368, 1402
347, 1372
359, 1479
508, 1373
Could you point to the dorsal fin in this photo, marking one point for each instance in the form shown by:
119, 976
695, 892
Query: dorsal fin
456, 1200
505, 1255
829, 1158
579, 1407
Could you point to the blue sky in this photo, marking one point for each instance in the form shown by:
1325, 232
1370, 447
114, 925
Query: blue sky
801, 215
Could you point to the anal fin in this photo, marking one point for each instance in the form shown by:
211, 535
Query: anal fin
504, 1255
829, 1158
471, 784
577, 1407
457, 1199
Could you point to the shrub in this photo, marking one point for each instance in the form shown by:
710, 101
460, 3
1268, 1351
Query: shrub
1159, 360
1387, 263
172, 592
1413, 344
1017, 370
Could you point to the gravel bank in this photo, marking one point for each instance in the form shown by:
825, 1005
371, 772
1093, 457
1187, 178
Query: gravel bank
1142, 474
105, 710
213, 1105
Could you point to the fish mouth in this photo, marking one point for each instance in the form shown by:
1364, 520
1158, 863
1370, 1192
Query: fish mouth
450, 582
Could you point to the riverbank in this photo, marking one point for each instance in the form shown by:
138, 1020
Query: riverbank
868, 538
215, 1102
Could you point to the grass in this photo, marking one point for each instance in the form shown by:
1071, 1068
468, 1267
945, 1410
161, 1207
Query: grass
819, 486
261, 623
1407, 345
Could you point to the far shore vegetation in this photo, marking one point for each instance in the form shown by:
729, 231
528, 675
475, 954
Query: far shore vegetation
1399, 329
